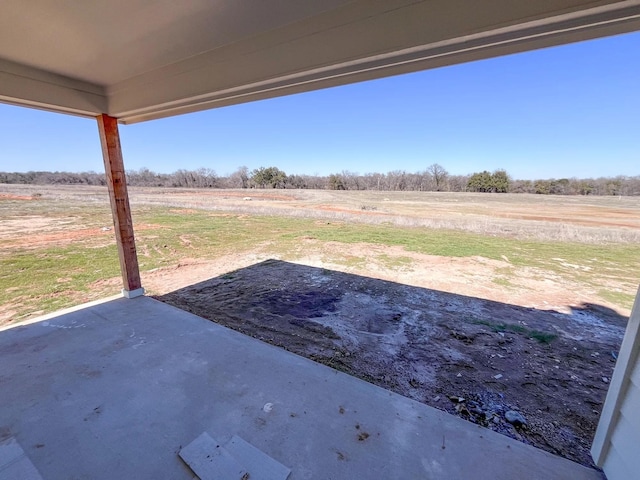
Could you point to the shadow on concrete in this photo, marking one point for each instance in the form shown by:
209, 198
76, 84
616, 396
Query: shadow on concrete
471, 357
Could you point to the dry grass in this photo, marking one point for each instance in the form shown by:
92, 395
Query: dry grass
590, 220
594, 220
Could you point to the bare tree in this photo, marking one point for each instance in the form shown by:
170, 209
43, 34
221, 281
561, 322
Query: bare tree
439, 175
239, 178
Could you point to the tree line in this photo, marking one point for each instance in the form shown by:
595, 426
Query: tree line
435, 178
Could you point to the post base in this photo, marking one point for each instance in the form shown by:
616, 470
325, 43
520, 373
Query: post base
138, 292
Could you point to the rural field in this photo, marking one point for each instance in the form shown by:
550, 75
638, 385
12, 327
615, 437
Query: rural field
477, 304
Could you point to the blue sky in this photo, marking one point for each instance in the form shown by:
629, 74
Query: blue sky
560, 112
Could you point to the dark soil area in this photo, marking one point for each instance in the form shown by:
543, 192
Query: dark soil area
538, 376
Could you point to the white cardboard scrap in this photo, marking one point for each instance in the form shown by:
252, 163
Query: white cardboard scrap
235, 460
260, 465
14, 463
209, 460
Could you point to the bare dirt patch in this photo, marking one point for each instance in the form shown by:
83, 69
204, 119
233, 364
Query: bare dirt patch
585, 217
477, 358
9, 196
37, 236
57, 238
13, 227
188, 271
248, 194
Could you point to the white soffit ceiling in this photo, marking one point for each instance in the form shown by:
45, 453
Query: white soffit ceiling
143, 59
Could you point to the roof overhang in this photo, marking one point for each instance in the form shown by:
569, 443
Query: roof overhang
139, 60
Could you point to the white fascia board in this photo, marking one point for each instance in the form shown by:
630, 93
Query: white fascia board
30, 87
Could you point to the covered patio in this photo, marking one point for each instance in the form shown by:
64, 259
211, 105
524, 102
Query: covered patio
116, 389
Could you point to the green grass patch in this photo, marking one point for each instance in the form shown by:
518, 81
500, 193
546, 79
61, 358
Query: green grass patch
394, 262
503, 282
54, 270
618, 298
542, 337
49, 279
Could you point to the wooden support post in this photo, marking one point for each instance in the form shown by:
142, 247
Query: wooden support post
120, 209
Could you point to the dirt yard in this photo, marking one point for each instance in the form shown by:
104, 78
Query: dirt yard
479, 359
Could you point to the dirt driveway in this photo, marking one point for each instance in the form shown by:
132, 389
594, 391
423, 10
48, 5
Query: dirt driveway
534, 375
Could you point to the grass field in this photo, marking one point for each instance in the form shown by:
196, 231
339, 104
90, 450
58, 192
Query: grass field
57, 246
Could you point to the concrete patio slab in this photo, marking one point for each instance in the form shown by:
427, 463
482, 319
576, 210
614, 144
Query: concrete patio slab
117, 389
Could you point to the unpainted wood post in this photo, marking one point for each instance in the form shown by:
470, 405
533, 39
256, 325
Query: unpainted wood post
120, 209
